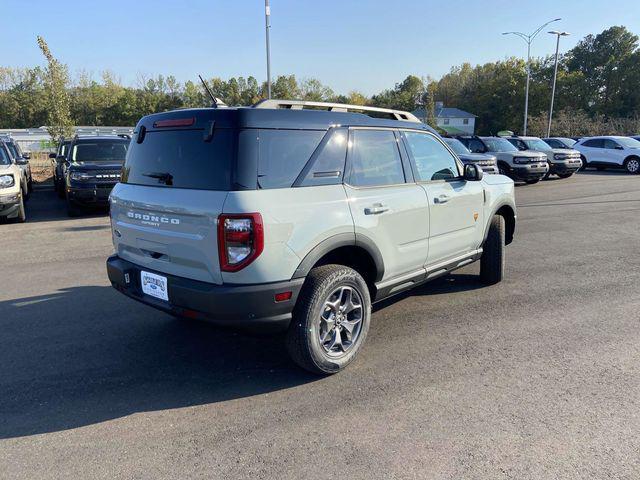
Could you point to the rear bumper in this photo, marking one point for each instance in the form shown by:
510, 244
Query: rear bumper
243, 306
96, 195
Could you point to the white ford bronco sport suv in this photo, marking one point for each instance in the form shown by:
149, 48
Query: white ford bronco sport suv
14, 187
298, 215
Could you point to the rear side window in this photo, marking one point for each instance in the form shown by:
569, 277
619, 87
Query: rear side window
182, 159
374, 158
432, 160
594, 143
326, 167
282, 154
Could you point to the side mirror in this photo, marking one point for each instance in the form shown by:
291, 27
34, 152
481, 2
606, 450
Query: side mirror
472, 173
52, 155
22, 161
26, 156
619, 147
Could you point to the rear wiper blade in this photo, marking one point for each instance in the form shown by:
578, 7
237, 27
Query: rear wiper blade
163, 177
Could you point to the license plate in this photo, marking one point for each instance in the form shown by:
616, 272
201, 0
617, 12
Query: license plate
154, 285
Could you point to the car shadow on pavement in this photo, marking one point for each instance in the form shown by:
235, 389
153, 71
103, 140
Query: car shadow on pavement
86, 355
44, 205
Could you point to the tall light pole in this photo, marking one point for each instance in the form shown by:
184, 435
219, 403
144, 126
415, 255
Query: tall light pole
555, 76
267, 15
528, 39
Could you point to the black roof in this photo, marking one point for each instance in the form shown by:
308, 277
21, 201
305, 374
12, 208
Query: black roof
247, 117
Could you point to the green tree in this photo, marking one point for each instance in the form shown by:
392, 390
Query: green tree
56, 86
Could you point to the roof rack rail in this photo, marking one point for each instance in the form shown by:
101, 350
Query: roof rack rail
336, 107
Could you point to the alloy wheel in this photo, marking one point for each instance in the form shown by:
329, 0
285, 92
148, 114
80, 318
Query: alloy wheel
341, 321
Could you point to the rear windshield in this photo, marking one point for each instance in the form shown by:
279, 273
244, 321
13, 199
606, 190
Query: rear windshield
100, 151
181, 159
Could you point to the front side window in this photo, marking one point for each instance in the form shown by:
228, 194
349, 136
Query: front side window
610, 144
374, 158
432, 160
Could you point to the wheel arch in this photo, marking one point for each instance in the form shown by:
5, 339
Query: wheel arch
506, 211
356, 251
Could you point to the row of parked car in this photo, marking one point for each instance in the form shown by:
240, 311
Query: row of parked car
531, 159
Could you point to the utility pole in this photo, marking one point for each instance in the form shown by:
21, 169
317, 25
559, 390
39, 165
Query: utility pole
555, 76
267, 15
529, 39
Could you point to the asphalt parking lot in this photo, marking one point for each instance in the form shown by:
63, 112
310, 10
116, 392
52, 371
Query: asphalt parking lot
537, 377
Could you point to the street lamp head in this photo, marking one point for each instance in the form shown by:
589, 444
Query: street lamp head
561, 34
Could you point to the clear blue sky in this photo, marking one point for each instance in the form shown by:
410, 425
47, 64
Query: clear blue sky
347, 44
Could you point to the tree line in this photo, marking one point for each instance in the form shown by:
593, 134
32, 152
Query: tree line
598, 92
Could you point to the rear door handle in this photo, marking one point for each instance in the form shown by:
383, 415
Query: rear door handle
376, 209
441, 199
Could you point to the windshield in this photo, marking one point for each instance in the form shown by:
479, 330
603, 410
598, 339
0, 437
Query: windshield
499, 145
457, 146
14, 151
628, 142
100, 151
569, 142
4, 156
537, 144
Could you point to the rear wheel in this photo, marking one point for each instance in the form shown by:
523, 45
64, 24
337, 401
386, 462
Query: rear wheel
330, 321
531, 182
565, 175
493, 253
632, 165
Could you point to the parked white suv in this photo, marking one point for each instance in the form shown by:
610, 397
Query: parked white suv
13, 187
283, 216
610, 152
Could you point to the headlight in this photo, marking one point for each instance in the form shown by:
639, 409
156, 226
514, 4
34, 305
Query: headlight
6, 181
80, 176
560, 156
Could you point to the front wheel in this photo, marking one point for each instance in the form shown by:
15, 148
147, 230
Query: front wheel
584, 162
72, 209
565, 175
493, 253
22, 213
532, 182
330, 321
632, 165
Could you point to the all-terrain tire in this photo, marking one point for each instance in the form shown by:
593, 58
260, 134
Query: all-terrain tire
303, 337
492, 261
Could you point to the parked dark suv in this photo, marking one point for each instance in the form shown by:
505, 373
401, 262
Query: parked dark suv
92, 167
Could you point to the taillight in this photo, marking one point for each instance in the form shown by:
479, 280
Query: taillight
240, 240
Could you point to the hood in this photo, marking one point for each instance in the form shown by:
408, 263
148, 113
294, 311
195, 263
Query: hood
566, 151
94, 166
477, 157
496, 179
